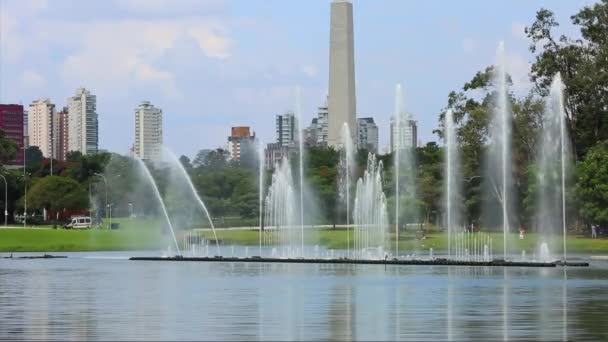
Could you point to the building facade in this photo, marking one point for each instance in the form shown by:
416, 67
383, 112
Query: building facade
367, 134
286, 129
11, 122
274, 153
240, 142
60, 134
83, 127
41, 115
408, 131
148, 132
342, 102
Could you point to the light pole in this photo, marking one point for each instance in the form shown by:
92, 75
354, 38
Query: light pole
110, 210
106, 186
5, 199
25, 174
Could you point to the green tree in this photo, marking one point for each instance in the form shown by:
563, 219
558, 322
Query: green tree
592, 185
56, 193
580, 63
8, 148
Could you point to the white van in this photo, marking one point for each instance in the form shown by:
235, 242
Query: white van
78, 222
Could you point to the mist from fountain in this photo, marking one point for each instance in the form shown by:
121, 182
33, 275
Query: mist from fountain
175, 161
149, 177
261, 160
552, 161
404, 169
282, 224
347, 162
370, 213
298, 114
500, 156
452, 183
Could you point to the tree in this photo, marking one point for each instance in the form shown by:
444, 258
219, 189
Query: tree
56, 193
33, 159
580, 63
8, 148
185, 161
211, 159
592, 186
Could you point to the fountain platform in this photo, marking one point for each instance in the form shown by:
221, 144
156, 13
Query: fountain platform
437, 262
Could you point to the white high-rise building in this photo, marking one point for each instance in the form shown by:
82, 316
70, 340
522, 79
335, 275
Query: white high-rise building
83, 128
409, 132
40, 126
286, 129
342, 102
368, 134
148, 132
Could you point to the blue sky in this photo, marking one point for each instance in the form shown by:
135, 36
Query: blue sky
214, 64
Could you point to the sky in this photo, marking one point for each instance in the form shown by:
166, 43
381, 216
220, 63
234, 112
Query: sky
214, 64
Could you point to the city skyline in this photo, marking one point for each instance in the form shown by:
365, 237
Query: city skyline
257, 87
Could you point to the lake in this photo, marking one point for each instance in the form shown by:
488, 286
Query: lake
97, 296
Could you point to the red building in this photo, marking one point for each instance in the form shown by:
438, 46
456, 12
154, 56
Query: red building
11, 122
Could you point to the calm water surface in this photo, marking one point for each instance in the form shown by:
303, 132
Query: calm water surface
104, 296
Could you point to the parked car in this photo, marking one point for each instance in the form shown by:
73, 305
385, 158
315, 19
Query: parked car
78, 222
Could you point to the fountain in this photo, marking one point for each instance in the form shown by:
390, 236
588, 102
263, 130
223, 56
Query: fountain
452, 185
552, 163
500, 155
403, 161
347, 161
261, 188
281, 215
370, 215
298, 114
200, 202
160, 200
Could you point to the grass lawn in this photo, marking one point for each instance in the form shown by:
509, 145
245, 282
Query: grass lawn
133, 235
141, 234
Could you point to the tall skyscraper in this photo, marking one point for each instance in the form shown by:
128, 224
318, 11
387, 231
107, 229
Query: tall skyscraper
286, 129
83, 129
368, 134
148, 132
40, 126
342, 102
11, 122
60, 134
408, 134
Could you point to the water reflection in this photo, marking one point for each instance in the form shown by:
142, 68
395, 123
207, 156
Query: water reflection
97, 299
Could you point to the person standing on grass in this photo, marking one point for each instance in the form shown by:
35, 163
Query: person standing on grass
594, 231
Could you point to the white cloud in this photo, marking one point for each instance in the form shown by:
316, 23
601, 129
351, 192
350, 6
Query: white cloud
469, 45
32, 79
309, 70
169, 6
211, 40
518, 30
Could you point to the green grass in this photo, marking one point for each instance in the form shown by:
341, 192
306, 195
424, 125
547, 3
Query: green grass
133, 235
337, 238
146, 234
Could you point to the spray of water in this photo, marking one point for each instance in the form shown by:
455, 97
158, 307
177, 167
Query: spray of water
298, 112
501, 138
552, 168
175, 161
261, 188
160, 200
346, 169
452, 188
